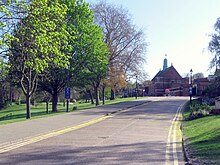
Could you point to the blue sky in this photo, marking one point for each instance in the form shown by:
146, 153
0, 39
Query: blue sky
178, 28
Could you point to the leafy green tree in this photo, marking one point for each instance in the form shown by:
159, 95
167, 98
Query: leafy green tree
11, 12
3, 83
87, 50
97, 69
40, 40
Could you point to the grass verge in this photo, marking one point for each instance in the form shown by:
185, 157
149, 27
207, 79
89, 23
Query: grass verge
16, 113
202, 138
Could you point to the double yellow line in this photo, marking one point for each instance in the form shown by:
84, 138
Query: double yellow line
14, 145
172, 139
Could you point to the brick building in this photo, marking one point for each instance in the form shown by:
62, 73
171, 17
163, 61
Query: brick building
169, 82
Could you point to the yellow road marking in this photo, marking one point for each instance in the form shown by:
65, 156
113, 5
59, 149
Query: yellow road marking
172, 139
17, 144
14, 145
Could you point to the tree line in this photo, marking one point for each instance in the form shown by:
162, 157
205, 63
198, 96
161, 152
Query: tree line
47, 45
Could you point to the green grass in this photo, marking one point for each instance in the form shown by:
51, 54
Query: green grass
203, 138
16, 113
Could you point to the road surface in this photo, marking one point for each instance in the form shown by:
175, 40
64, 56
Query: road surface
144, 131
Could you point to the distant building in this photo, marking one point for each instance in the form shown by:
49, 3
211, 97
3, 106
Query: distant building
169, 82
216, 74
200, 84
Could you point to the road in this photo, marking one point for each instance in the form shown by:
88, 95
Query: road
136, 132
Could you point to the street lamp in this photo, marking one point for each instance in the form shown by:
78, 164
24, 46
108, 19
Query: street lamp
190, 88
67, 90
136, 87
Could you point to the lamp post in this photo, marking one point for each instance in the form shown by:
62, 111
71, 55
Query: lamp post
136, 88
67, 90
190, 88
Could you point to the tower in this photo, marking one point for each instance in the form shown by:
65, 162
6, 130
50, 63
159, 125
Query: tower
165, 63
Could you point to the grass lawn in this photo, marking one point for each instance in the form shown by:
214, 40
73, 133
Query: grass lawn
203, 138
15, 113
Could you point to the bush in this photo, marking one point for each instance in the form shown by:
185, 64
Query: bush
199, 110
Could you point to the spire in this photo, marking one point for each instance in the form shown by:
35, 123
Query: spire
165, 62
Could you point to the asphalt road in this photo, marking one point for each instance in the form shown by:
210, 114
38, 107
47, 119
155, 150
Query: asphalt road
136, 132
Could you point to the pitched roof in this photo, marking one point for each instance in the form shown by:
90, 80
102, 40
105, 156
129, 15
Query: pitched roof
167, 72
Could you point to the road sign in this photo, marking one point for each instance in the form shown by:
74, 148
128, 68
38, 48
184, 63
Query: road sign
67, 93
190, 90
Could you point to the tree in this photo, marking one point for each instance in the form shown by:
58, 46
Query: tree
214, 45
214, 48
198, 75
99, 62
86, 51
3, 83
39, 41
53, 81
93, 55
125, 41
213, 90
116, 81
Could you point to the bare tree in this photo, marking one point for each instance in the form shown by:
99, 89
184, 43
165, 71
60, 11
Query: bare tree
198, 75
125, 41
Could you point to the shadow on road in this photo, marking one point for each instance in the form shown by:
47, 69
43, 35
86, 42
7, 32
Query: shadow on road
64, 154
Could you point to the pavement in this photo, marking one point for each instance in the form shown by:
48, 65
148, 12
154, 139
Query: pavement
136, 132
36, 127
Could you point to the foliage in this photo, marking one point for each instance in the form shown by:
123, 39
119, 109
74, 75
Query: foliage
40, 39
199, 110
3, 69
88, 53
213, 90
6, 15
3, 83
214, 45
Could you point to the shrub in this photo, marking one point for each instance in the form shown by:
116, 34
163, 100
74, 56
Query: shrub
199, 110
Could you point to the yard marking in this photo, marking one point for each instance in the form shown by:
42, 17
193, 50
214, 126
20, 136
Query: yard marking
17, 144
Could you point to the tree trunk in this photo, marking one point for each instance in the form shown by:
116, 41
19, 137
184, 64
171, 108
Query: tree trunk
91, 97
96, 95
47, 107
103, 94
112, 95
54, 101
28, 108
10, 93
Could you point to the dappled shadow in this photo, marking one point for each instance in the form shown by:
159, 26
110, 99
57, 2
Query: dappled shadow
202, 148
12, 116
135, 153
112, 108
68, 152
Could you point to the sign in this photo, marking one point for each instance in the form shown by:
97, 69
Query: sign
190, 90
67, 93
